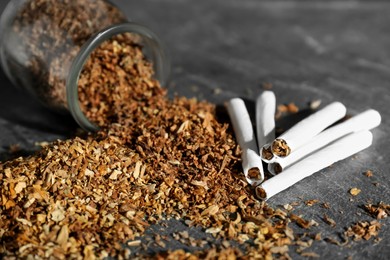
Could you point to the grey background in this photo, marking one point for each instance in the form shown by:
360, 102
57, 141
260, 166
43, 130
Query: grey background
222, 49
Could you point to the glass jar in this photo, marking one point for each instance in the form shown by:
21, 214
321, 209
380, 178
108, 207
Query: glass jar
44, 45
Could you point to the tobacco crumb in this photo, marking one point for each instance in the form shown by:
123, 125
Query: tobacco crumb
379, 211
302, 222
354, 191
292, 108
329, 220
369, 173
282, 109
310, 203
325, 205
267, 153
315, 104
363, 230
310, 254
317, 237
332, 241
288, 207
295, 203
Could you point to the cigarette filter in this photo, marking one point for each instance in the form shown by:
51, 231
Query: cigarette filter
367, 120
305, 130
317, 161
242, 126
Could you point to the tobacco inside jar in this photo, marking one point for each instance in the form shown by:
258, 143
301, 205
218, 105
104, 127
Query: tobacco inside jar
78, 56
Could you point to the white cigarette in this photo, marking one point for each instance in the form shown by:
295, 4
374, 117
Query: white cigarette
265, 118
317, 161
242, 126
367, 120
265, 123
305, 130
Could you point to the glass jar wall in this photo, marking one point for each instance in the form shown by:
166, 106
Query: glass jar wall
45, 43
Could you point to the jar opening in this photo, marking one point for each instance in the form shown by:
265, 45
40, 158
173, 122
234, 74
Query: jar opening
152, 49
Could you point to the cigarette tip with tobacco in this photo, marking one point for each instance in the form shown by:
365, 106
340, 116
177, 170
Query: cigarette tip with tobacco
251, 162
315, 162
366, 120
308, 147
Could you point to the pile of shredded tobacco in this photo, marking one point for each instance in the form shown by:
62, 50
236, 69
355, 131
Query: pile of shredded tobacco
154, 159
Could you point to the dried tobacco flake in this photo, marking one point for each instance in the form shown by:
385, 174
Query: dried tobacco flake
379, 211
354, 191
315, 104
311, 202
369, 173
290, 108
363, 230
302, 222
329, 220
310, 254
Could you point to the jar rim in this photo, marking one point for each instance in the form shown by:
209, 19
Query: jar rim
159, 58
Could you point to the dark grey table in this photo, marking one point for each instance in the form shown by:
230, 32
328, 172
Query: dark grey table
222, 49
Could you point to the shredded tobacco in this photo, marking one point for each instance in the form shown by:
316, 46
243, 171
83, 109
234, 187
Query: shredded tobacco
363, 230
354, 191
369, 173
329, 221
280, 148
379, 211
311, 203
315, 104
52, 32
282, 109
267, 153
254, 174
154, 158
277, 168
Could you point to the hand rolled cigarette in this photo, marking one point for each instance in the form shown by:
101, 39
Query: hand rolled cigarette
305, 130
251, 162
315, 162
367, 120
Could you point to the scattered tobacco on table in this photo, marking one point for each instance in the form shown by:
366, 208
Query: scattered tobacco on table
363, 230
153, 159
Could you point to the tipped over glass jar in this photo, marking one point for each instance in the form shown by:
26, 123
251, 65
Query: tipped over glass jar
44, 45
